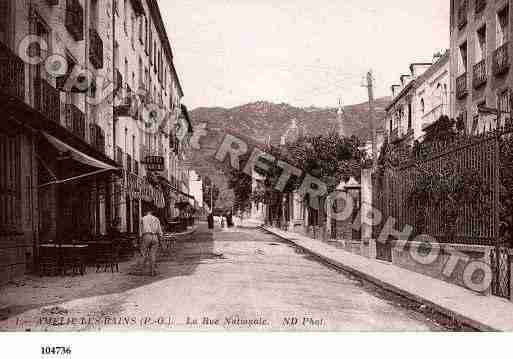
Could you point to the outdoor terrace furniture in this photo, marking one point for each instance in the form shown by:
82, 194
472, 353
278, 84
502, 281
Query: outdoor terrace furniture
57, 259
48, 262
104, 255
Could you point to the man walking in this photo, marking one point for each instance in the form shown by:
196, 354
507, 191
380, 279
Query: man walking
151, 235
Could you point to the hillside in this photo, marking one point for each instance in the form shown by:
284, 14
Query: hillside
263, 120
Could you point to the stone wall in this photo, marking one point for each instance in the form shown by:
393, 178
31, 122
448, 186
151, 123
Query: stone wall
439, 269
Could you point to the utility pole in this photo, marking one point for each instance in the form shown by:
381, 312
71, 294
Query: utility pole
370, 89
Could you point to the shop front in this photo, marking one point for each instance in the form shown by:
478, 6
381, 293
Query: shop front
75, 193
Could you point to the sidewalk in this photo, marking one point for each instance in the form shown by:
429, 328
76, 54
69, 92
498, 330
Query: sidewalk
456, 302
249, 223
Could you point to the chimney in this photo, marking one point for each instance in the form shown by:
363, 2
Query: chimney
437, 56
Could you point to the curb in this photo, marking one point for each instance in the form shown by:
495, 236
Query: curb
392, 288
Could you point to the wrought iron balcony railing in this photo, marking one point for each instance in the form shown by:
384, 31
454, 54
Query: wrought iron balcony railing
461, 86
501, 60
47, 100
74, 21
12, 73
95, 49
462, 14
479, 74
480, 6
75, 120
97, 137
138, 7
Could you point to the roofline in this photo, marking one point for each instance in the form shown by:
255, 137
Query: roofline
164, 39
400, 95
175, 75
420, 64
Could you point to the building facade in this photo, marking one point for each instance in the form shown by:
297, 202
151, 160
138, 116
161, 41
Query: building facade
480, 63
420, 99
76, 135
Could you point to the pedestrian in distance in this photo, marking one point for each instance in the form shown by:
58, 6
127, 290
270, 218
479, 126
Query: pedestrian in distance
151, 237
210, 220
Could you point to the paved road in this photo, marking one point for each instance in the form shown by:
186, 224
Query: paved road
237, 280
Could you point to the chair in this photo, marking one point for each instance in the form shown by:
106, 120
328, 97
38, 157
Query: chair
72, 259
107, 256
48, 261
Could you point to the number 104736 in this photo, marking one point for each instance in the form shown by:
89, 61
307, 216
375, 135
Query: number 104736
47, 350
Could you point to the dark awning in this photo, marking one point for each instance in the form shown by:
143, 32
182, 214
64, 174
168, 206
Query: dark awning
21, 113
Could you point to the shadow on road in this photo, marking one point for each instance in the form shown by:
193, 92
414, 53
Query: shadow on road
35, 292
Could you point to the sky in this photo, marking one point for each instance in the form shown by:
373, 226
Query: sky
302, 52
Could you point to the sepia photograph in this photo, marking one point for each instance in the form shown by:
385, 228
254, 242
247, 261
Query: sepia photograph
255, 166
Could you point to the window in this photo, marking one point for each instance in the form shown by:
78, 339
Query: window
462, 59
94, 16
481, 44
116, 55
125, 16
5, 22
140, 73
155, 53
503, 105
410, 116
146, 35
132, 35
503, 26
422, 106
126, 71
10, 178
141, 30
71, 97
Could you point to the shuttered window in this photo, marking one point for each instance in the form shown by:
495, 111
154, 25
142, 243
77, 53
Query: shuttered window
4, 21
10, 183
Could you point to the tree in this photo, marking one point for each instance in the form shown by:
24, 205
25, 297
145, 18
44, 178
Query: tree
330, 158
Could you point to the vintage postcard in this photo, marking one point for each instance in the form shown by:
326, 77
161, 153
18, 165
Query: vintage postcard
255, 166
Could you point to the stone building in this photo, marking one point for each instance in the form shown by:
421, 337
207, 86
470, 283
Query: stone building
420, 99
480, 63
74, 136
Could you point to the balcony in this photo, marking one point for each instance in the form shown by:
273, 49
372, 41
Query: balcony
138, 7
75, 120
480, 6
97, 137
462, 14
12, 73
501, 60
461, 86
74, 21
479, 74
95, 49
47, 100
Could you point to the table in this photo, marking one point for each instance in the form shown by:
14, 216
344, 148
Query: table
58, 258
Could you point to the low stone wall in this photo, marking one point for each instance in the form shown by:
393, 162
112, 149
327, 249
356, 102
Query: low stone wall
440, 268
